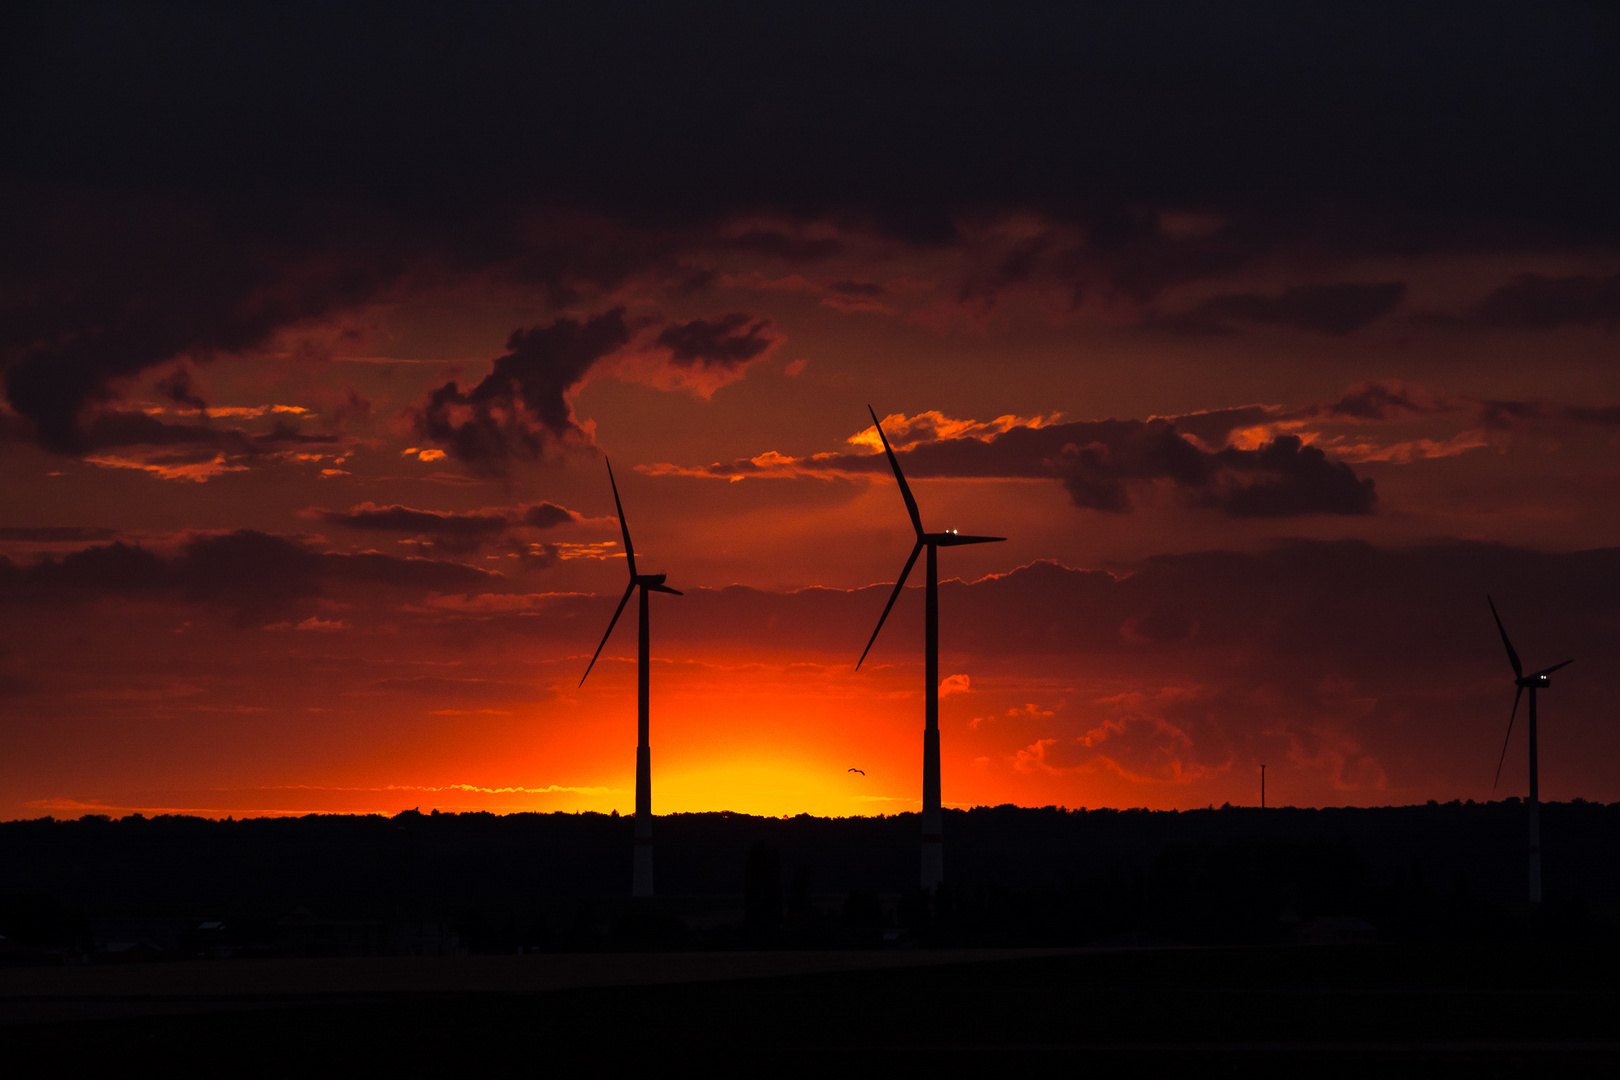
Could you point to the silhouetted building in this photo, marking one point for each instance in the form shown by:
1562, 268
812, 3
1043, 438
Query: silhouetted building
307, 934
424, 938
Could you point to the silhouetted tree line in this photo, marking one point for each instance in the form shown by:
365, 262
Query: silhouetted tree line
140, 887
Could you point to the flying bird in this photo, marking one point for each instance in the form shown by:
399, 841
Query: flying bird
861, 771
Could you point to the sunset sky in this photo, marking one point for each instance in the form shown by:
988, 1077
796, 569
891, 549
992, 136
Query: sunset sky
1272, 340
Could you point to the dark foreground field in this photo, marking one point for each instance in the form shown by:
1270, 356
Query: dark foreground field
1392, 941
1542, 1009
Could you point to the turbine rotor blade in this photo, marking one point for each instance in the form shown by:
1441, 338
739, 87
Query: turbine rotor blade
666, 588
629, 550
958, 539
1516, 695
1550, 670
611, 623
1513, 657
898, 585
905, 489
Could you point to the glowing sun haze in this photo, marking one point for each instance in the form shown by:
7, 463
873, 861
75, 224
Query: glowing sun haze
307, 394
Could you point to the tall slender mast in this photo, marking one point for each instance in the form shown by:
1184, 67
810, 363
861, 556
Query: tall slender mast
1535, 809
933, 844
1532, 682
933, 848
642, 878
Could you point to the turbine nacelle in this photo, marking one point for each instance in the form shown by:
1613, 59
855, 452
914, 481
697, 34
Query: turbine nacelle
648, 582
1539, 678
1532, 682
655, 582
948, 538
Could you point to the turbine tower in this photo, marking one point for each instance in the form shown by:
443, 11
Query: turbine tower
1532, 682
642, 878
933, 865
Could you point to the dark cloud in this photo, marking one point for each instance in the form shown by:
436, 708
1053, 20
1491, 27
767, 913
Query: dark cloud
1503, 415
857, 290
1302, 609
1096, 473
284, 432
184, 186
1327, 309
1282, 478
1534, 302
691, 280
353, 406
546, 515
118, 428
98, 286
1015, 267
521, 407
254, 575
1388, 399
116, 567
1392, 401
253, 572
434, 575
782, 246
1294, 479
446, 533
534, 556
1310, 599
1602, 415
398, 518
1100, 462
179, 388
54, 534
727, 342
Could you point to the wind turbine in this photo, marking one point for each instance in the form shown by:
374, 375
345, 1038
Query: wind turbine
933, 865
642, 878
1531, 682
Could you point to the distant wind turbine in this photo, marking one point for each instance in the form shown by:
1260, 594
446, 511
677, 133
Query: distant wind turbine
642, 879
933, 859
1532, 683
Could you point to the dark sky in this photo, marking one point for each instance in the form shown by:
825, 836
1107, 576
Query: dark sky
316, 321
